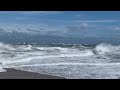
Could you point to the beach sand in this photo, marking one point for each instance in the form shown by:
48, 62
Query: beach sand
17, 74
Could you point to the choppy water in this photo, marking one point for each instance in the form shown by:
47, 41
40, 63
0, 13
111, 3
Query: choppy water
69, 61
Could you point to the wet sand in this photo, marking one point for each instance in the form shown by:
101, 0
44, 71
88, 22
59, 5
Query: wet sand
17, 74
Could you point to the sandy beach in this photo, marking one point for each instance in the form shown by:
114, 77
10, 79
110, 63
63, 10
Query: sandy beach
17, 74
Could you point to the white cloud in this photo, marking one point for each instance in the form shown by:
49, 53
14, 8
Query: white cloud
79, 15
116, 28
95, 21
84, 25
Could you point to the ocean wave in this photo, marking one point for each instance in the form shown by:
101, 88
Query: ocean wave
105, 48
37, 55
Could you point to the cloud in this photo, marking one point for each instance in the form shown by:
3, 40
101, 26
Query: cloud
84, 21
31, 29
96, 21
21, 18
84, 26
28, 12
116, 28
80, 15
81, 27
73, 28
40, 12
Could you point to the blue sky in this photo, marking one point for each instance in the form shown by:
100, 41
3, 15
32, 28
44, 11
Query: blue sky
62, 23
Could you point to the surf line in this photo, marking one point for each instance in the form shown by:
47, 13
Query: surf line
62, 64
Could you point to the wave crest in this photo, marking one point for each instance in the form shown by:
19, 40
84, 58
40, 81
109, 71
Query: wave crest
105, 48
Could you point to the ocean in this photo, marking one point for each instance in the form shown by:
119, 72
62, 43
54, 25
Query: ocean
72, 61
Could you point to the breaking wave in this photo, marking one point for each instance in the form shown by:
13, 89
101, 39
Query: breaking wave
45, 56
106, 48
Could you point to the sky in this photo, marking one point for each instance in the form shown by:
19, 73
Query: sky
62, 23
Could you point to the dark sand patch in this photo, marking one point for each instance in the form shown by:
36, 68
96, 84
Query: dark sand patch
17, 74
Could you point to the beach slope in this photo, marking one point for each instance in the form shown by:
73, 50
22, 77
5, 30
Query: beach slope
17, 74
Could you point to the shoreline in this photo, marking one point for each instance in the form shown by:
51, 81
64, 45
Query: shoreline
18, 74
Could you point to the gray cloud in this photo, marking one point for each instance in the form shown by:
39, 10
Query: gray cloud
73, 28
1, 29
31, 29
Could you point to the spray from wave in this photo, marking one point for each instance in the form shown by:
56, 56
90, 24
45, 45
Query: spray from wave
59, 58
106, 48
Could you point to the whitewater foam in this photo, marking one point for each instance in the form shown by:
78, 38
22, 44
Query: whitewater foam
71, 64
6, 47
106, 48
102, 55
